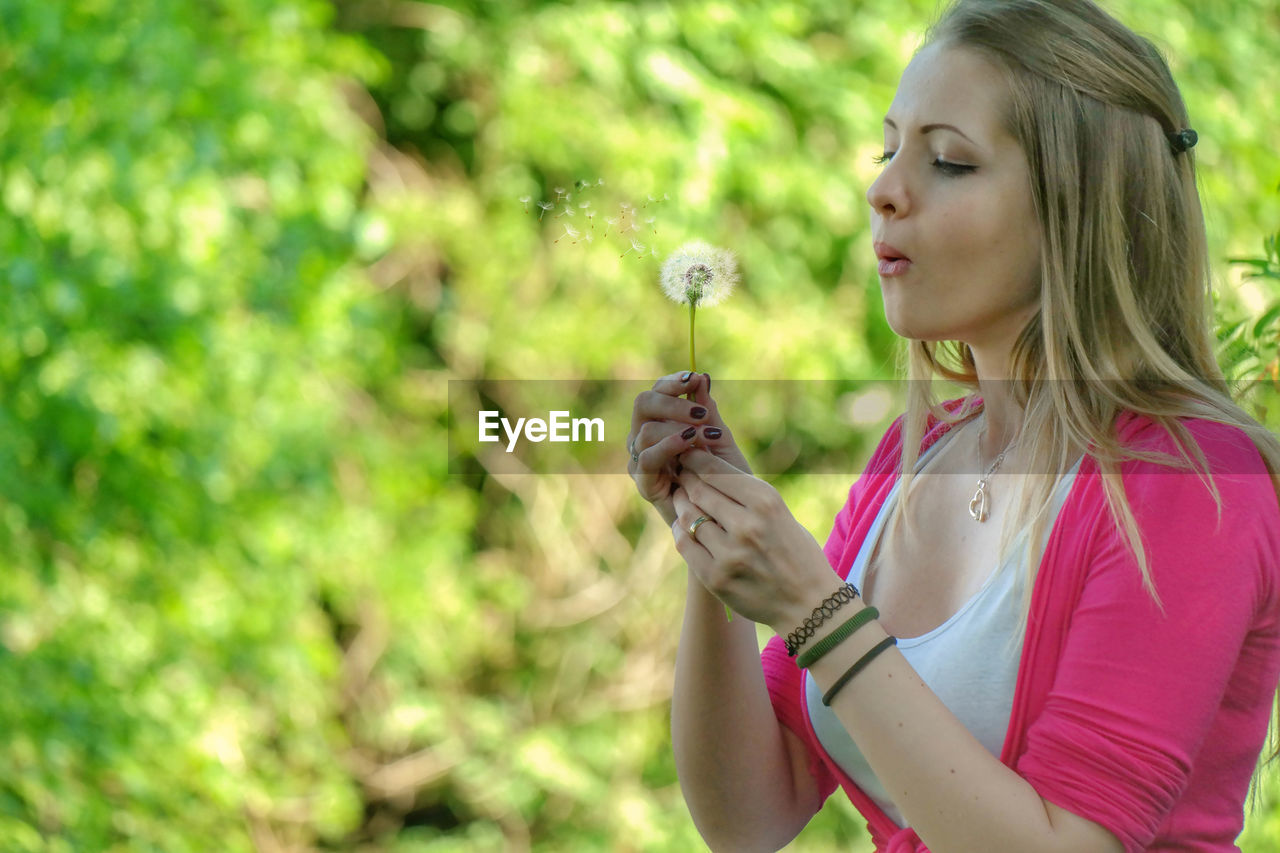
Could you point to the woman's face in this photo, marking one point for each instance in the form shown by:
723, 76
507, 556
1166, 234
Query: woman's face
953, 202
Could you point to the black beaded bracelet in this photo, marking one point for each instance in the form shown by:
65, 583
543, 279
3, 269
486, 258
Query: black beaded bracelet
858, 667
821, 613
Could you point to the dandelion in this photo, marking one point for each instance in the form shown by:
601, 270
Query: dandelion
569, 231
698, 274
650, 222
545, 206
559, 192
524, 199
568, 211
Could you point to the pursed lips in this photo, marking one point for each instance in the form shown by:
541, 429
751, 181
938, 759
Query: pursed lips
892, 261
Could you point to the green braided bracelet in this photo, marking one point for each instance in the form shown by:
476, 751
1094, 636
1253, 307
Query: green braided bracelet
836, 637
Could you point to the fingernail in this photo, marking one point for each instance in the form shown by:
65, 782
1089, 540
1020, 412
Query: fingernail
691, 432
697, 413
711, 433
686, 376
708, 375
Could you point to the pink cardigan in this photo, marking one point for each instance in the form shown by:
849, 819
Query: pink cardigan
1149, 724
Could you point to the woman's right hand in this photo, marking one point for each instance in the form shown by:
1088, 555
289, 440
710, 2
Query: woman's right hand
665, 425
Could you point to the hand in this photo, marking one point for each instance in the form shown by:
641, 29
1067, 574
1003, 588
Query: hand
664, 425
752, 554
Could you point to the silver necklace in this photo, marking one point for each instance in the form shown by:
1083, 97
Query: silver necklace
980, 504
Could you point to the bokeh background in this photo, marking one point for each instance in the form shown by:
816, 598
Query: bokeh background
246, 601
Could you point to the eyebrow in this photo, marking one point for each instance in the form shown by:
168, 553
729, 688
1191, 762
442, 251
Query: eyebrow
928, 128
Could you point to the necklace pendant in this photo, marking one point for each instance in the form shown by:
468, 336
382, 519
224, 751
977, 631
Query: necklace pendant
978, 506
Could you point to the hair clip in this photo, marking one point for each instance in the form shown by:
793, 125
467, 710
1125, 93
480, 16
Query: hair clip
1183, 140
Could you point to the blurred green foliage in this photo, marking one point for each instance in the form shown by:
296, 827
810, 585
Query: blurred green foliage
246, 244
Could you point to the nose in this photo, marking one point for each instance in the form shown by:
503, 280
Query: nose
887, 194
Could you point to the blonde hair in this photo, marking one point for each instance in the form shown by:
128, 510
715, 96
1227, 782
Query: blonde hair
1124, 322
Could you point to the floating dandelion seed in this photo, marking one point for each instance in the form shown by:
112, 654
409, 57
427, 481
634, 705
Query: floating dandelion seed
559, 192
569, 231
524, 199
637, 247
650, 222
545, 206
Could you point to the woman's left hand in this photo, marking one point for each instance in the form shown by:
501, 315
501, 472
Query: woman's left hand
751, 553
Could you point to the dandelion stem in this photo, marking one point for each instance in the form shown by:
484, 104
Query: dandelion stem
693, 361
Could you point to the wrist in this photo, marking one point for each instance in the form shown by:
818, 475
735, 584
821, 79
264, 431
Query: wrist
806, 623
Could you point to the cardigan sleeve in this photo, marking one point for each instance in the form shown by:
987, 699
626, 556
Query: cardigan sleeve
1140, 684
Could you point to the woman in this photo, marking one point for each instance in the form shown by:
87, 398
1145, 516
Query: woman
1070, 639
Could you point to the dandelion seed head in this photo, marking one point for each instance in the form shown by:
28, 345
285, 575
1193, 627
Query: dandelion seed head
524, 199
545, 205
699, 274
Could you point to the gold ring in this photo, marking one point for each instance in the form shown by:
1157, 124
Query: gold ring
693, 528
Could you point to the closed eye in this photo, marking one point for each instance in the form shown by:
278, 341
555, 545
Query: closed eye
946, 167
952, 169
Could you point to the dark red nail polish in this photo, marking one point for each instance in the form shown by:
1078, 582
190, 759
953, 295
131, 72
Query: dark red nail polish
711, 433
690, 433
686, 376
697, 413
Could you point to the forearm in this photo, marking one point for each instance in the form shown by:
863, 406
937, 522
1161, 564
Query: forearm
730, 752
951, 790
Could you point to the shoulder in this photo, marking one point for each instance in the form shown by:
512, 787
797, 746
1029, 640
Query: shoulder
1226, 447
1238, 478
1226, 524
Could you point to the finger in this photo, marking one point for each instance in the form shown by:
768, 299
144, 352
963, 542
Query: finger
725, 510
675, 384
725, 477
657, 457
656, 405
687, 512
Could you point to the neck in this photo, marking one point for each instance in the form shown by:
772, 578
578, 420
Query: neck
1002, 416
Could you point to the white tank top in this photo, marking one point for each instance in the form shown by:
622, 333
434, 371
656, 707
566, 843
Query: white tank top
969, 661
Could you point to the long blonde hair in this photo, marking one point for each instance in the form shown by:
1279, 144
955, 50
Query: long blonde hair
1124, 323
